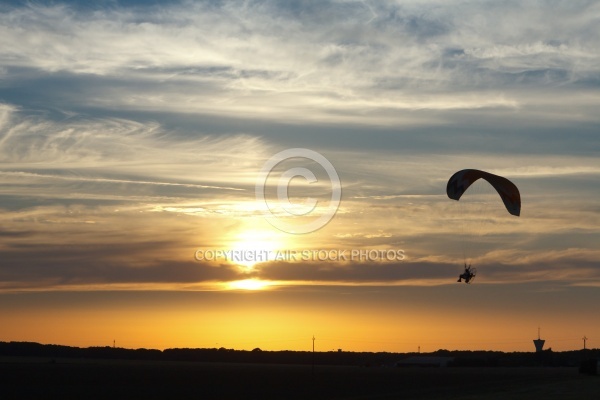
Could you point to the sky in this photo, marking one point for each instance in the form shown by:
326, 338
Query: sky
134, 136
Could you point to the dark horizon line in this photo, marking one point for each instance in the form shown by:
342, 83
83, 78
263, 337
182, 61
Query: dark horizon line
258, 349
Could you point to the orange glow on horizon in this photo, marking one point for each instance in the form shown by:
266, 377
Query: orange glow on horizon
275, 320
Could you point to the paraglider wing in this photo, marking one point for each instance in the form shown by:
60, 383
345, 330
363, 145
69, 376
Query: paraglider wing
460, 182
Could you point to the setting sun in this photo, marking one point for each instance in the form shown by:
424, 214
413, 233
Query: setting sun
252, 247
249, 284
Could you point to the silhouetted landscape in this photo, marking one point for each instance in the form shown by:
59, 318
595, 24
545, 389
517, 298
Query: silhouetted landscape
459, 358
33, 370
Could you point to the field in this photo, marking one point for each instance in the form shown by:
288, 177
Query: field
98, 379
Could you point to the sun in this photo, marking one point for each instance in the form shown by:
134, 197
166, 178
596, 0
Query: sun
249, 284
252, 247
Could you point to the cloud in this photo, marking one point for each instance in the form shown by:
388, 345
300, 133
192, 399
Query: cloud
110, 157
370, 64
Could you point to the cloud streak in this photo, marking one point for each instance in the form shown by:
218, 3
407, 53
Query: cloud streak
373, 65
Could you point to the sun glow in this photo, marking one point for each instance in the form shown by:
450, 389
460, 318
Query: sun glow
252, 247
249, 284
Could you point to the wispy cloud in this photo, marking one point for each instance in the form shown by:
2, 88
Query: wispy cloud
372, 64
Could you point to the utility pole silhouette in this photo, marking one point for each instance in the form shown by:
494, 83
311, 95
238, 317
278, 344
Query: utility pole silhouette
584, 340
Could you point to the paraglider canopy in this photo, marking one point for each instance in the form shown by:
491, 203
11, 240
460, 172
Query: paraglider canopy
461, 180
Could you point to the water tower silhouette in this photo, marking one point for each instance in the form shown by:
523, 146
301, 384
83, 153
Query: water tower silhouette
538, 343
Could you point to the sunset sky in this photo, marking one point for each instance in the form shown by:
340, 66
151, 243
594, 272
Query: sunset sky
132, 137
